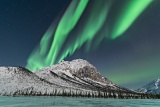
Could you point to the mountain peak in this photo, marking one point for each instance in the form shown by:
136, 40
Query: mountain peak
78, 68
152, 87
67, 78
76, 64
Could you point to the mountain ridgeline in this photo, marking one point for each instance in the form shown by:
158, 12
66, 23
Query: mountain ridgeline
151, 88
77, 78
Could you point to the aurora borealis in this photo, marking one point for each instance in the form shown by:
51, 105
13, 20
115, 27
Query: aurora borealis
128, 15
97, 14
120, 38
66, 24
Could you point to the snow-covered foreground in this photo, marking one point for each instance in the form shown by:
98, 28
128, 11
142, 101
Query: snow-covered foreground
74, 78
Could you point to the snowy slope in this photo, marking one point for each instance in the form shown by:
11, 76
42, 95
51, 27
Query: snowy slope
20, 81
152, 87
15, 80
68, 78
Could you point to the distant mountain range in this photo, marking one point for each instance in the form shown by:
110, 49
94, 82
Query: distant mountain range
68, 78
151, 88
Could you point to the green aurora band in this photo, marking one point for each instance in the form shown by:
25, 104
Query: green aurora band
37, 59
89, 29
47, 54
128, 15
66, 24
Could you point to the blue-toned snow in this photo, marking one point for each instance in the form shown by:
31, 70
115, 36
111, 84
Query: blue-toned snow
41, 101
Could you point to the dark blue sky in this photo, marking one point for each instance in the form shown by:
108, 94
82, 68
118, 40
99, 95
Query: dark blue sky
131, 60
22, 24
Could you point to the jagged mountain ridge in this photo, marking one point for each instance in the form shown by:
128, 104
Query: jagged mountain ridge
152, 88
74, 78
77, 73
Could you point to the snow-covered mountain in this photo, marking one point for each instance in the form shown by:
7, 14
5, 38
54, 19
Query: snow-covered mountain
78, 74
68, 78
153, 87
20, 81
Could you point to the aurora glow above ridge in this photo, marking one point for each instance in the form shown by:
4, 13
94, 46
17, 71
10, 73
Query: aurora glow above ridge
119, 37
91, 24
38, 59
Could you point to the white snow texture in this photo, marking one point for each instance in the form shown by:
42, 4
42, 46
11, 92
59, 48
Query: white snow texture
68, 78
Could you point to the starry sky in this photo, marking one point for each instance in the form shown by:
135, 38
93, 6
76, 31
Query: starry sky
131, 59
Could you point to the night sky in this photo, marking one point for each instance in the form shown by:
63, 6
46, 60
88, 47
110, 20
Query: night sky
130, 59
